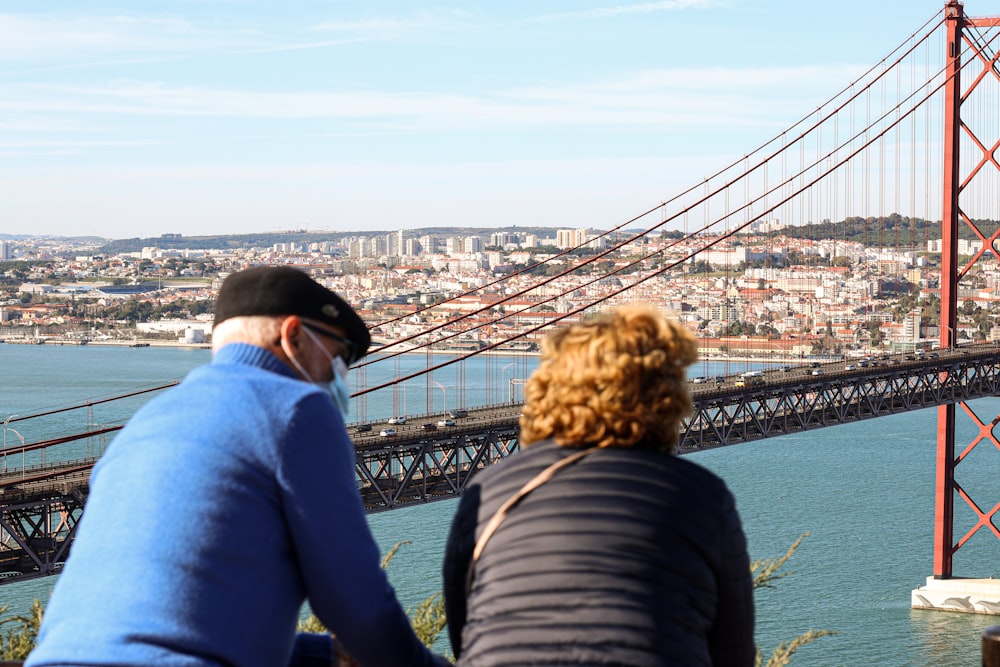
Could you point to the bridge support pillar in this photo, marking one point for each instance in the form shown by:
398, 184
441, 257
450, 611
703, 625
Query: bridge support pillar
943, 591
969, 596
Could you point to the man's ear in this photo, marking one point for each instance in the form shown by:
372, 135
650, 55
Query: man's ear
291, 334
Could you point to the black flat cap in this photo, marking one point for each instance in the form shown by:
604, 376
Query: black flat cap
282, 290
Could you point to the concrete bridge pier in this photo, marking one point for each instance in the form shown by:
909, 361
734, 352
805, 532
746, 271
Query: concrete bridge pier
969, 596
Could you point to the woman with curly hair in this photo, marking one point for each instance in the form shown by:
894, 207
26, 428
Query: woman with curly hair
595, 545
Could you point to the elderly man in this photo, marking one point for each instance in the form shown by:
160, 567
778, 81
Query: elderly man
229, 500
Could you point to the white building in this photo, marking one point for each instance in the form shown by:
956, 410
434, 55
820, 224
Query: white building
965, 246
185, 329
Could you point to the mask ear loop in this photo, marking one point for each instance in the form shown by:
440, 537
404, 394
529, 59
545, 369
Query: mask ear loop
319, 344
337, 387
301, 371
286, 346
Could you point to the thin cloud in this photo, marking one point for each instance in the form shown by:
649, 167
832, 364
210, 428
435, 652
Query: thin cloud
110, 143
376, 28
55, 40
48, 42
304, 46
652, 98
368, 26
48, 38
627, 10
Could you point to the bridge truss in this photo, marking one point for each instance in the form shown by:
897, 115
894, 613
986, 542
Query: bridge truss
40, 507
37, 526
796, 405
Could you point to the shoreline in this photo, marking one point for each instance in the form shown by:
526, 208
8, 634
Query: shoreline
75, 342
151, 342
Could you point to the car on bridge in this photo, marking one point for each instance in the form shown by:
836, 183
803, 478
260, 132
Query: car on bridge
445, 422
397, 420
362, 428
428, 427
458, 414
387, 432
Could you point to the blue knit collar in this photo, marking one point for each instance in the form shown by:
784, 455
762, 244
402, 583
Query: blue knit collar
251, 355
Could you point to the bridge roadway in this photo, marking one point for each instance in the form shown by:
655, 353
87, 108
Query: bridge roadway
421, 461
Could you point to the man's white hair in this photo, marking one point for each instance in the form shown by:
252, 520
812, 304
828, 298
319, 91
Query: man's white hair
260, 330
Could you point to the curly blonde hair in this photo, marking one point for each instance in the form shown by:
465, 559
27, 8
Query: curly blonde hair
617, 380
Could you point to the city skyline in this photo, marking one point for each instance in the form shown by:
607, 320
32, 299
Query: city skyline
237, 117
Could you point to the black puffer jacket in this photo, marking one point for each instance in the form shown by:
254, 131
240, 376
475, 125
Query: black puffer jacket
627, 557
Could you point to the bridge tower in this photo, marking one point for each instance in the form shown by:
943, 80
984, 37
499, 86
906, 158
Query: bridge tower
963, 48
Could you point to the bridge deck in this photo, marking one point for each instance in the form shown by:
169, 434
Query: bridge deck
417, 463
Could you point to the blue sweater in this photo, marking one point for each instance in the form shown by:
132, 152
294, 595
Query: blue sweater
220, 507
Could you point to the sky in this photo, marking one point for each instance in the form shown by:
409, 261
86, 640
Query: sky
202, 117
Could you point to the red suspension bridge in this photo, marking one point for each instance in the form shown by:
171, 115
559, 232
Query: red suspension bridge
896, 169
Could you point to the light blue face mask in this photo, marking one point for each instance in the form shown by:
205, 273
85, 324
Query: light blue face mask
336, 387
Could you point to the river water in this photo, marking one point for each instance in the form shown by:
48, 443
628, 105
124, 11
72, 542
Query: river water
863, 492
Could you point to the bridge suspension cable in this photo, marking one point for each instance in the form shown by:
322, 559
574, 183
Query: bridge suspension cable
569, 250
753, 207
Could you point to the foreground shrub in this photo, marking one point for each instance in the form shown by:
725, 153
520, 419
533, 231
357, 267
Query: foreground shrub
765, 572
20, 633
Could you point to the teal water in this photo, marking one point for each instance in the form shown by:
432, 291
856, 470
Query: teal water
864, 492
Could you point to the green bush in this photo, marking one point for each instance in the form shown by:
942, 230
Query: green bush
21, 632
428, 618
765, 572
